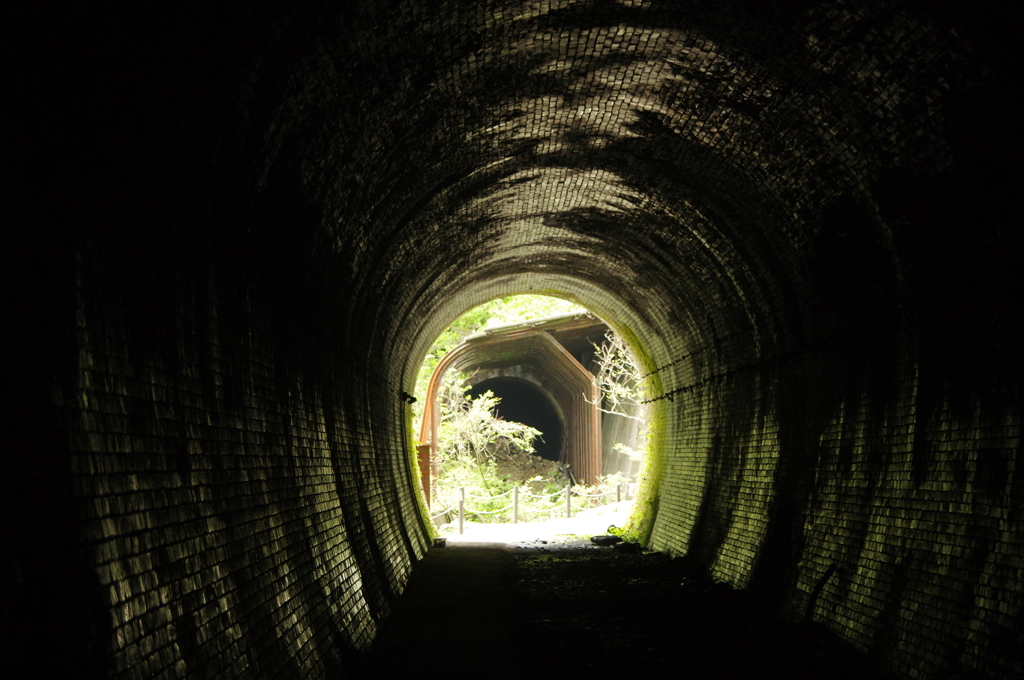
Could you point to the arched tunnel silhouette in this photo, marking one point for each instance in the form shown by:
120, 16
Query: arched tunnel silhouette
239, 232
523, 402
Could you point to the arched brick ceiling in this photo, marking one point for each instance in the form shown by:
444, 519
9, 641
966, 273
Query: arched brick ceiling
250, 222
665, 163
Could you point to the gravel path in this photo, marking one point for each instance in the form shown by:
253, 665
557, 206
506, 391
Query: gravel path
540, 600
497, 611
555, 534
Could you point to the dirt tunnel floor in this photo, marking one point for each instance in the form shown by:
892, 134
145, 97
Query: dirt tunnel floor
495, 611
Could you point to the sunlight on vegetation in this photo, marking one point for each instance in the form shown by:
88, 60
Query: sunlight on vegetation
499, 312
488, 456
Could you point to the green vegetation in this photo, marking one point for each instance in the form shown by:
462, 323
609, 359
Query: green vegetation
488, 456
624, 533
497, 312
417, 487
483, 454
645, 508
472, 439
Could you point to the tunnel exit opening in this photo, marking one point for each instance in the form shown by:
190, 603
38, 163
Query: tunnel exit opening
524, 405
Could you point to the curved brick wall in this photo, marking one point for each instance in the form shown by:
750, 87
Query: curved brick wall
245, 228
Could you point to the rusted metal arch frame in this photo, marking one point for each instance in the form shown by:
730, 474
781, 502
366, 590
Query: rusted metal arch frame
575, 391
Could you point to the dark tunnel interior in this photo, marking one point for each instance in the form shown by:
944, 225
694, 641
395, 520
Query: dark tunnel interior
523, 402
233, 233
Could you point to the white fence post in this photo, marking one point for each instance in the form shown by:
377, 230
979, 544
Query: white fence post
462, 507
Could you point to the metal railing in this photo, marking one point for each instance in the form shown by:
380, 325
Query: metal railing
516, 493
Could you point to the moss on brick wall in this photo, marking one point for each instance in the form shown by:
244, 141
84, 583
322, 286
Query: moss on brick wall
246, 228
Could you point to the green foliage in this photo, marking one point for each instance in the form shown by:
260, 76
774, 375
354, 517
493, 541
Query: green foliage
520, 308
497, 312
488, 456
631, 453
645, 509
624, 533
469, 431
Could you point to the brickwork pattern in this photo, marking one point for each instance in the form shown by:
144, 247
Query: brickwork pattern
237, 524
796, 210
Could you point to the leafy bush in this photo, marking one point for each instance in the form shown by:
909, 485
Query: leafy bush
476, 449
497, 312
488, 456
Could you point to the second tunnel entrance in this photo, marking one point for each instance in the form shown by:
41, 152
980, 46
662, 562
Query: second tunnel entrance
523, 402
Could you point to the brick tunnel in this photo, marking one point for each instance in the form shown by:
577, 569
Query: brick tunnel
239, 231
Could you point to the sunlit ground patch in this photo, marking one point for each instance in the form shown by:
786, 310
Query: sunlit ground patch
560, 530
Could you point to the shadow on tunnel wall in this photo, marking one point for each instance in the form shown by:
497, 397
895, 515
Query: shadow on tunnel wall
189, 492
896, 436
196, 481
55, 613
